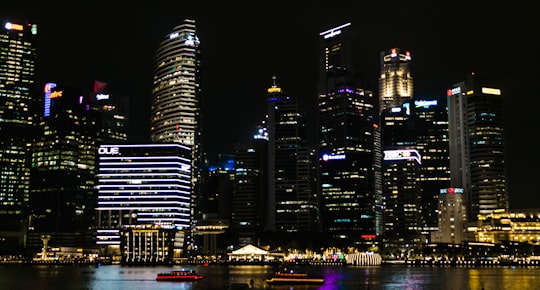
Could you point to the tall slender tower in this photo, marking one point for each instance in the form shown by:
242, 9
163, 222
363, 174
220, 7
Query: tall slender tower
395, 87
477, 144
294, 181
395, 81
346, 119
176, 96
17, 69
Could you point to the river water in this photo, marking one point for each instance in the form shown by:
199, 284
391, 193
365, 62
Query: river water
222, 277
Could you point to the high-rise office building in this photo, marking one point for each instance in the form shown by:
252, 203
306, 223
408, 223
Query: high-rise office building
17, 99
294, 165
417, 128
477, 143
346, 117
63, 171
176, 97
401, 180
395, 87
251, 211
142, 185
395, 81
429, 123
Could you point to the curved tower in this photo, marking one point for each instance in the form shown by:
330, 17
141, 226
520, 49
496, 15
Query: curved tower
176, 96
175, 109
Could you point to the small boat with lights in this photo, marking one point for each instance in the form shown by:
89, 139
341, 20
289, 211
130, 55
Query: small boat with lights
179, 275
284, 278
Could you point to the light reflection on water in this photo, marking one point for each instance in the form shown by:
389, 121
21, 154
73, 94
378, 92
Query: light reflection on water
218, 277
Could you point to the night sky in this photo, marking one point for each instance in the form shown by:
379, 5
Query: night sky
243, 46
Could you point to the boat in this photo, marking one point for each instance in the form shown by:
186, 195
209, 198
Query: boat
179, 275
294, 278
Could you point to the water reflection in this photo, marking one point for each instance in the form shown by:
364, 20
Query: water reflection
253, 277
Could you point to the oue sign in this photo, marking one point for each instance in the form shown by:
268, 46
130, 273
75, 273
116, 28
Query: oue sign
108, 151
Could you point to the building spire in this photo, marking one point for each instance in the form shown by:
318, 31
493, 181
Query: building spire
274, 88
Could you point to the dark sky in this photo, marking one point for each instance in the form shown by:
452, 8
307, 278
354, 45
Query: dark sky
245, 45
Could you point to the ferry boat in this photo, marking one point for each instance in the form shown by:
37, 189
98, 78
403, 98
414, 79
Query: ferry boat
294, 278
179, 275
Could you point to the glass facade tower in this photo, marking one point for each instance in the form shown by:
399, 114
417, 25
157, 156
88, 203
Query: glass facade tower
346, 122
477, 144
17, 69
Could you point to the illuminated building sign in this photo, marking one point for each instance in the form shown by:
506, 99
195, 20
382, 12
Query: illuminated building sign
55, 94
173, 35
327, 157
451, 190
334, 31
453, 91
406, 154
491, 91
108, 150
102, 97
13, 26
274, 90
48, 90
408, 55
425, 104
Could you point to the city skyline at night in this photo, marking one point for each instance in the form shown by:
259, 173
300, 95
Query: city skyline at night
446, 44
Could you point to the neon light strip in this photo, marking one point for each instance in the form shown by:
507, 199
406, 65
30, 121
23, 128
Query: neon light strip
146, 146
147, 208
145, 191
143, 180
144, 185
142, 158
143, 168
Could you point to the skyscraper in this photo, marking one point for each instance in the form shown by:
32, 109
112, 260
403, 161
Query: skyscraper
401, 181
477, 143
395, 81
395, 87
346, 118
17, 100
293, 165
250, 199
142, 184
176, 104
336, 58
429, 123
63, 172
